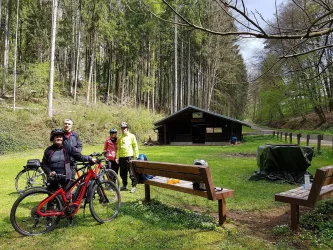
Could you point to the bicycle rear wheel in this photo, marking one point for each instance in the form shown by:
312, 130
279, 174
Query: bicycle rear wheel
29, 178
24, 217
105, 203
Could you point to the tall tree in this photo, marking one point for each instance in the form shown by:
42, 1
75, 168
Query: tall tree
52, 56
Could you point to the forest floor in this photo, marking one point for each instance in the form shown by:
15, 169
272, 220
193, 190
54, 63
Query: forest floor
309, 122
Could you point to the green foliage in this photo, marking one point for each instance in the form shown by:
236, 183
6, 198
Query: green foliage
34, 81
281, 230
156, 6
320, 222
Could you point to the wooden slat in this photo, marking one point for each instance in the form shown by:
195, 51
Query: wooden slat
170, 174
318, 182
328, 180
207, 179
185, 168
185, 187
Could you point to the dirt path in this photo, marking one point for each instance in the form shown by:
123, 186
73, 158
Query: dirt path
261, 224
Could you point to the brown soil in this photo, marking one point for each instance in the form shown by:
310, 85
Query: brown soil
261, 224
309, 122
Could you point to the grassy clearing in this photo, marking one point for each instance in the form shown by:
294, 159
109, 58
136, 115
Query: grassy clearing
170, 223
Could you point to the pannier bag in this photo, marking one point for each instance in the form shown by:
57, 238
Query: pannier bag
32, 164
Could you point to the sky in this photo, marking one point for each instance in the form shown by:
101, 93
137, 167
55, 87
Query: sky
250, 47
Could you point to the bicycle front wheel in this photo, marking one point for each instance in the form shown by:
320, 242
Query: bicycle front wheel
105, 203
29, 178
24, 216
112, 176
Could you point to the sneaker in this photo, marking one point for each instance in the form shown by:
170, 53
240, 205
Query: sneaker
133, 190
123, 188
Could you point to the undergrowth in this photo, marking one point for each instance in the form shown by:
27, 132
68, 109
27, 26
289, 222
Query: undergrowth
318, 224
30, 128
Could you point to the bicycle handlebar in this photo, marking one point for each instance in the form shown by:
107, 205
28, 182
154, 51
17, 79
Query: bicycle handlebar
57, 177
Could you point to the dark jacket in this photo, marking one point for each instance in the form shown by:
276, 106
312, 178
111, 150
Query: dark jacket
69, 152
74, 140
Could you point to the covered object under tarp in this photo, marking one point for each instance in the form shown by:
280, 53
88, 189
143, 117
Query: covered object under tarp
283, 163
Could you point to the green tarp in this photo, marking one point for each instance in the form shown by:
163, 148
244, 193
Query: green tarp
283, 163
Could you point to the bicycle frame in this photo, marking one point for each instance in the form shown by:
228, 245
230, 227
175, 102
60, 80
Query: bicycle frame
88, 176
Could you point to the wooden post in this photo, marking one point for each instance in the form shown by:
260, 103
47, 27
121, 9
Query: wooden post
285, 137
277, 135
294, 214
307, 140
273, 134
222, 211
281, 136
299, 139
290, 137
147, 193
318, 143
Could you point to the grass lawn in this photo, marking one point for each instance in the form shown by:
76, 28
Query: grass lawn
170, 223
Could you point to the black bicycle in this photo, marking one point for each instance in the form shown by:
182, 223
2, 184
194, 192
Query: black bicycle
31, 176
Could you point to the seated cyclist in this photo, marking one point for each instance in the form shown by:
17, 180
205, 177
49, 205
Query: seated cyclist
56, 160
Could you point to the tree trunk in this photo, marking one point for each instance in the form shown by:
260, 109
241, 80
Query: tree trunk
6, 51
92, 56
15, 51
78, 46
175, 96
52, 54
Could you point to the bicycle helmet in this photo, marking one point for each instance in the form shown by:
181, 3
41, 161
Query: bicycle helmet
56, 131
142, 157
113, 130
124, 125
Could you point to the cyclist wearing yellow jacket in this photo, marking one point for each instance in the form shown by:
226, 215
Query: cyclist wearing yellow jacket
127, 150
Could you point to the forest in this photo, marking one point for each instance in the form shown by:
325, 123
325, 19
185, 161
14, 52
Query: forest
165, 55
118, 52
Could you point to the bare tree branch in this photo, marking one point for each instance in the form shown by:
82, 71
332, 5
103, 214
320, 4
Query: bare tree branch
261, 34
307, 52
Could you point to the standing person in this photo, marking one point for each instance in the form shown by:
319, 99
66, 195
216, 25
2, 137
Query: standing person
127, 150
110, 147
72, 137
56, 160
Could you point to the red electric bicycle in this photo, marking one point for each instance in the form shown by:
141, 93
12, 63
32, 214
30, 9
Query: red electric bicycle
39, 210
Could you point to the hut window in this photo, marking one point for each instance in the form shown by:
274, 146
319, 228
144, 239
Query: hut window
213, 130
197, 115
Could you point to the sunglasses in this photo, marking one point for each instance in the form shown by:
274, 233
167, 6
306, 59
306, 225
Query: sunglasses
68, 123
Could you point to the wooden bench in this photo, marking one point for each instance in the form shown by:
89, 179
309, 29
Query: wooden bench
322, 188
187, 174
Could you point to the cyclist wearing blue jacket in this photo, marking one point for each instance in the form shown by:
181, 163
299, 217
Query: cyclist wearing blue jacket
127, 150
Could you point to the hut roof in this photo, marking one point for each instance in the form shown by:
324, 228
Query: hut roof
193, 108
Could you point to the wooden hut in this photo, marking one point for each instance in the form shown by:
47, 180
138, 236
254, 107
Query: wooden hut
192, 125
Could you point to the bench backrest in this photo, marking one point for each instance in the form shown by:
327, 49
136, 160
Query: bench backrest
192, 173
322, 178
